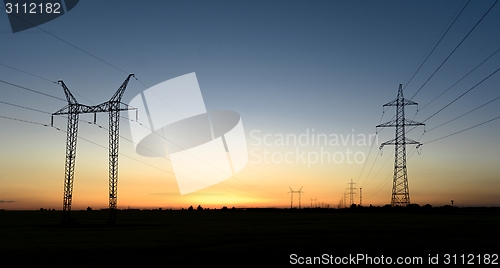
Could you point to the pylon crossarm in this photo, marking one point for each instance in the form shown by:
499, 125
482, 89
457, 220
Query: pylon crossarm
125, 107
119, 93
404, 102
409, 122
107, 107
64, 110
79, 109
391, 123
69, 97
128, 107
406, 141
391, 142
410, 141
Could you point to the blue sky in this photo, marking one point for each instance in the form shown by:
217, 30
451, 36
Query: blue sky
285, 66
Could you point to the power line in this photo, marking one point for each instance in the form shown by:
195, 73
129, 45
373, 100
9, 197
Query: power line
449, 121
37, 76
446, 59
463, 77
435, 46
370, 171
28, 108
197, 128
455, 133
382, 186
88, 53
68, 43
89, 141
454, 85
463, 94
378, 172
24, 107
39, 111
25, 121
155, 153
179, 163
164, 138
373, 142
371, 147
428, 55
32, 90
443, 137
48, 95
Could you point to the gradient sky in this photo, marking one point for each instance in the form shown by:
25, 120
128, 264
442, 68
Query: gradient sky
287, 67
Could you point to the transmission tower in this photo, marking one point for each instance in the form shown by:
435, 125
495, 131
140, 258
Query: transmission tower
296, 192
351, 192
400, 190
316, 202
73, 110
360, 197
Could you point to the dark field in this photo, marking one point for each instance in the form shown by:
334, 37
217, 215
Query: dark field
239, 237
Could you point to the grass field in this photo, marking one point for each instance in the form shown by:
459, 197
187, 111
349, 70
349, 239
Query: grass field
201, 237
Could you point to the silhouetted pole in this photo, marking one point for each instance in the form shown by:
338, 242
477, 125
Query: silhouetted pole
300, 193
400, 189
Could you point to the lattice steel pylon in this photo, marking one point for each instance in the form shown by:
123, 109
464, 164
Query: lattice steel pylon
73, 109
296, 192
400, 189
351, 192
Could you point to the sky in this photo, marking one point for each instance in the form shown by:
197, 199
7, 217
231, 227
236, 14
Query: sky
289, 69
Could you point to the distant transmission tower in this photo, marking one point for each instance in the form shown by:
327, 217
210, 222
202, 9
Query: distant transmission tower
360, 197
400, 191
73, 110
315, 202
296, 192
351, 192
